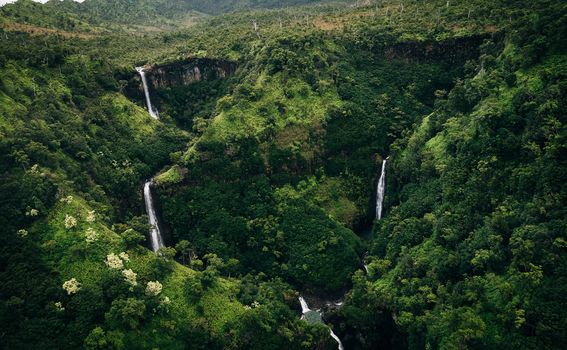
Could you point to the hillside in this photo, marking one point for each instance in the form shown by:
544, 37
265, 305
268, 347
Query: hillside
138, 15
271, 125
173, 9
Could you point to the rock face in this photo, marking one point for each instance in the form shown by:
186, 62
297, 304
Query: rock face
176, 74
187, 72
451, 51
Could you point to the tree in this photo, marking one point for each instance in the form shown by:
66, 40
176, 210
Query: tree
127, 313
214, 263
132, 238
164, 258
98, 339
184, 249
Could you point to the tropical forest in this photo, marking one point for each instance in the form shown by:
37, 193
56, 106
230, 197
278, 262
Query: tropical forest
283, 174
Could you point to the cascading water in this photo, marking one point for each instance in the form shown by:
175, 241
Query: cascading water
334, 336
304, 306
147, 92
380, 191
305, 309
155, 234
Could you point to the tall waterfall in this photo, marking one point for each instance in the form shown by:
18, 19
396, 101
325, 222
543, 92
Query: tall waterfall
155, 234
380, 191
147, 92
305, 308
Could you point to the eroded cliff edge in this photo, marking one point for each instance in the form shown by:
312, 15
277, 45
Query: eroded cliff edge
175, 74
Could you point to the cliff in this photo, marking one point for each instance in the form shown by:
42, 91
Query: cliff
454, 51
180, 73
187, 72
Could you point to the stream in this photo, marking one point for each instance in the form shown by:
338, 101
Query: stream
305, 310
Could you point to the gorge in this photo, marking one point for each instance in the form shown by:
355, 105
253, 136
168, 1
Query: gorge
292, 175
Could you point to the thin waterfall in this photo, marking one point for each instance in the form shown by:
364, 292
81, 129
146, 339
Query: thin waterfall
334, 336
147, 92
305, 309
380, 191
155, 234
304, 306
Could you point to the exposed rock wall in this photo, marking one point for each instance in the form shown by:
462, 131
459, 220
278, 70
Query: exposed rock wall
452, 51
181, 73
187, 72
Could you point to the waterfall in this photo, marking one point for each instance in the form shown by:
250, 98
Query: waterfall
380, 191
305, 308
147, 92
155, 234
334, 336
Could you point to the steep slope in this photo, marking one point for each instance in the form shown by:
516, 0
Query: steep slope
471, 252
140, 10
301, 135
144, 15
74, 154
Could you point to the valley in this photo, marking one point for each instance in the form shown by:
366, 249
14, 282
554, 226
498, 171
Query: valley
283, 175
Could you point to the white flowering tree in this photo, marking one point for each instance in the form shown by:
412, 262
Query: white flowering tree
130, 277
72, 286
124, 256
91, 235
113, 261
70, 221
153, 288
32, 212
59, 306
91, 216
68, 199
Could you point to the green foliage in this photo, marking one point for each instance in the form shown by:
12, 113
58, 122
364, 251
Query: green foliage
172, 176
98, 339
312, 317
132, 238
126, 313
76, 126
319, 252
274, 169
467, 269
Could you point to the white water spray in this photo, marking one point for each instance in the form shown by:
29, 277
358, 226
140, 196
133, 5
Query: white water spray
305, 308
147, 92
334, 336
380, 191
155, 234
